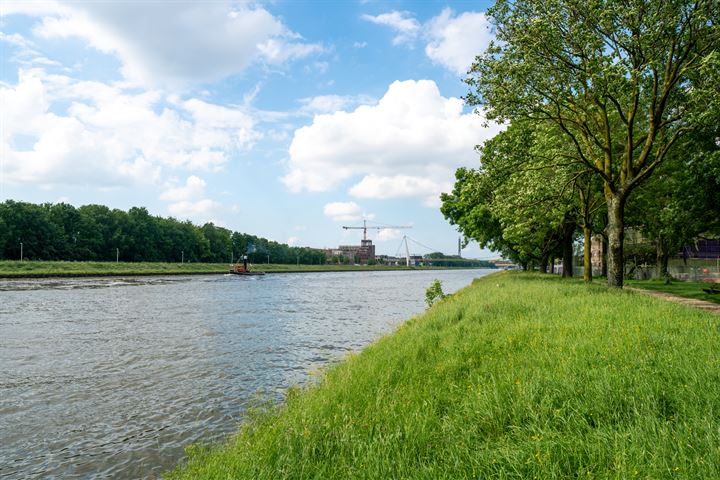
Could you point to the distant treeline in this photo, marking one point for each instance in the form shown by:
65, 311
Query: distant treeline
439, 259
95, 232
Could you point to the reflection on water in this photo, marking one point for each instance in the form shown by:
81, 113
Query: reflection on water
112, 377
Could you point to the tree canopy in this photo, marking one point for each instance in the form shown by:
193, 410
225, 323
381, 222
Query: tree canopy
95, 232
620, 83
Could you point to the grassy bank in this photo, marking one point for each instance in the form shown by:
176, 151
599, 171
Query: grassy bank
679, 288
517, 376
10, 269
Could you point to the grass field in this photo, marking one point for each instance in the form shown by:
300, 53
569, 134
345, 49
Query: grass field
49, 269
679, 288
518, 376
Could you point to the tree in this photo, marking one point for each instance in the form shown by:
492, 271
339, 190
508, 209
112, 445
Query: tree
469, 208
530, 193
623, 81
682, 200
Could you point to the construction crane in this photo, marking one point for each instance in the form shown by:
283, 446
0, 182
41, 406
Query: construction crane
365, 227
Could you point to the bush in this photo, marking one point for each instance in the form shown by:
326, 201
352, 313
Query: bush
434, 293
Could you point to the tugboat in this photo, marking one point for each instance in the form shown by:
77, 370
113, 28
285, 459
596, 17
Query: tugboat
243, 269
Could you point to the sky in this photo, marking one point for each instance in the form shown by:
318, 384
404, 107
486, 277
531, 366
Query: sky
285, 119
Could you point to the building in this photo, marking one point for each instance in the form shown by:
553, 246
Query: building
362, 254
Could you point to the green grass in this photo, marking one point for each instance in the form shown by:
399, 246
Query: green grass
55, 268
517, 376
679, 288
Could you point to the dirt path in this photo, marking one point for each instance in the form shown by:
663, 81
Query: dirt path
702, 304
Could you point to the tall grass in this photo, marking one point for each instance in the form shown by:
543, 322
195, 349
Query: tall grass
517, 376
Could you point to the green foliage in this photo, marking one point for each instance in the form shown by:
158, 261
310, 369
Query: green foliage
517, 376
434, 293
622, 82
95, 233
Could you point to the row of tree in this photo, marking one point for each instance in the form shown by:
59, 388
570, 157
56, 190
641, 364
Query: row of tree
439, 259
96, 232
612, 111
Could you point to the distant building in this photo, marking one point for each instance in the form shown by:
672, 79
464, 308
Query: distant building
363, 253
390, 260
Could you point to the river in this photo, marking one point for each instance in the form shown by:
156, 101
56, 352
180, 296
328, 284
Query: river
113, 377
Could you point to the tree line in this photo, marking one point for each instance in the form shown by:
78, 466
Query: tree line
439, 259
613, 122
97, 233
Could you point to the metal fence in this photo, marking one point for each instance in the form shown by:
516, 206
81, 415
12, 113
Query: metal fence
692, 273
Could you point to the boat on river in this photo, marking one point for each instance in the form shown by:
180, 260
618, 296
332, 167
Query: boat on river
238, 269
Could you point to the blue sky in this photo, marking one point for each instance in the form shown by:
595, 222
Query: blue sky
284, 119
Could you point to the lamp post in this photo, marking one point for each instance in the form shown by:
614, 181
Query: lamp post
21, 251
182, 256
117, 255
268, 259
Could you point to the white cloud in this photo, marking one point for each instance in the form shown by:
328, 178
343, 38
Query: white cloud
173, 42
408, 144
278, 51
58, 130
189, 202
451, 41
387, 234
199, 210
194, 187
400, 186
293, 241
15, 39
332, 103
454, 41
360, 44
24, 7
407, 28
343, 211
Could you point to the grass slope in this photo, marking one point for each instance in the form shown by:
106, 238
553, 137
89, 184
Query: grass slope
517, 376
10, 269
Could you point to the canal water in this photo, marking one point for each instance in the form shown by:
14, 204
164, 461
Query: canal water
113, 377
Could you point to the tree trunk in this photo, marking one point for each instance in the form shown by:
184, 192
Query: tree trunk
603, 256
662, 257
544, 263
568, 234
587, 258
616, 236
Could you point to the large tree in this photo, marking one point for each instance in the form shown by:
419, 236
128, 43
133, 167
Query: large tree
681, 202
623, 80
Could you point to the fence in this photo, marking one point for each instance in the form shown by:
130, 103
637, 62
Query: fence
705, 271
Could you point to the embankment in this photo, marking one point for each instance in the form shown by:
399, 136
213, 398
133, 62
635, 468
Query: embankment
516, 376
41, 269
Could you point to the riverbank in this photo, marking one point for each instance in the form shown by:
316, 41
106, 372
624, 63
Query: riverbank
517, 376
40, 269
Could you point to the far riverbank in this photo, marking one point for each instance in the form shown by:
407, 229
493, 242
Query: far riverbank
44, 269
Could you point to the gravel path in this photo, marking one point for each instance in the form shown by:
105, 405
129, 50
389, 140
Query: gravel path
702, 304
